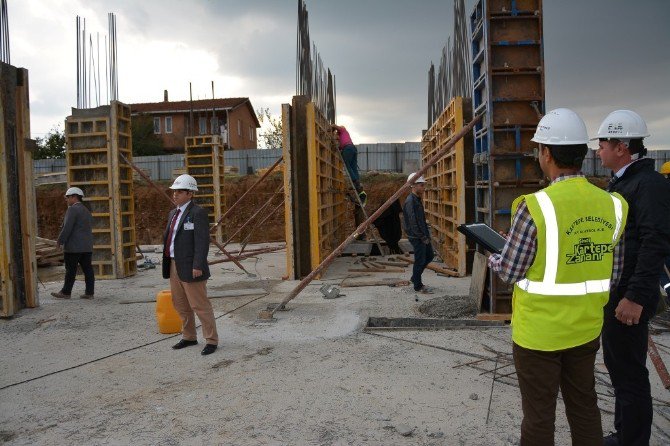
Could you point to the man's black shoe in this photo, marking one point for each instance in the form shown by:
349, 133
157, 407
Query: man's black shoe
208, 350
183, 343
611, 440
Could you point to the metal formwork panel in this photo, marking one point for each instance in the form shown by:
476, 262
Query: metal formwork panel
327, 188
448, 197
508, 78
95, 138
205, 162
18, 215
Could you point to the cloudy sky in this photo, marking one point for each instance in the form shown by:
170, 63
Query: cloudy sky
600, 55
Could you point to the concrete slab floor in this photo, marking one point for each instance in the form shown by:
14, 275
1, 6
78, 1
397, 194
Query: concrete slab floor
98, 372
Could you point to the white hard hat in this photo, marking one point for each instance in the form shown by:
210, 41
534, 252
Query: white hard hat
622, 124
74, 191
421, 179
561, 127
185, 182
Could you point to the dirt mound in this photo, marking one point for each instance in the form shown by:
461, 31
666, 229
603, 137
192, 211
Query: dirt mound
151, 206
448, 307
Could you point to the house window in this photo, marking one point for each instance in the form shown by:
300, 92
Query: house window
168, 124
214, 124
202, 124
251, 133
157, 126
239, 127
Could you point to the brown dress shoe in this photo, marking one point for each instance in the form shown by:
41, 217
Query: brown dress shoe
60, 295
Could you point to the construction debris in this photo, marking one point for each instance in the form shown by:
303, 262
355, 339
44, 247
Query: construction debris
48, 253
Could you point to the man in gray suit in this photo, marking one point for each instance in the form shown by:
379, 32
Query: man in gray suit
186, 244
76, 238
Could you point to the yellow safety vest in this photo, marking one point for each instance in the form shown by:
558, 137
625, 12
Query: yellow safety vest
559, 304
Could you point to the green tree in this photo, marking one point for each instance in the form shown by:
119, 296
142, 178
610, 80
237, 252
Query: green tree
270, 136
51, 146
145, 141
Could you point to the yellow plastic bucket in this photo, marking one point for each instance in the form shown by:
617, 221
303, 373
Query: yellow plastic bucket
167, 317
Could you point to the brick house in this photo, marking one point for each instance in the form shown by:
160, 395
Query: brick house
232, 118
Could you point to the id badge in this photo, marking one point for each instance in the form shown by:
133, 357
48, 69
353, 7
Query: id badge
189, 226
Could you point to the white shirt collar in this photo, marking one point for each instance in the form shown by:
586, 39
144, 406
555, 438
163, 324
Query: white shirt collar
183, 207
619, 173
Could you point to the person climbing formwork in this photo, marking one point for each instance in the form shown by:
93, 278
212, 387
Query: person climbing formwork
350, 157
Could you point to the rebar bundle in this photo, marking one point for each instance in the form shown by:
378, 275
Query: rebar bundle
313, 79
453, 76
4, 33
89, 65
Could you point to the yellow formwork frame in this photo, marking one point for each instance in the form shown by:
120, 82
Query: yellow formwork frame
288, 194
15, 112
95, 137
445, 197
6, 279
205, 162
327, 188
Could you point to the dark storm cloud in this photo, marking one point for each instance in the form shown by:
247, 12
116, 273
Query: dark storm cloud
599, 54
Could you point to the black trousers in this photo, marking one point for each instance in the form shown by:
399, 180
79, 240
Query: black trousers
72, 259
423, 255
625, 354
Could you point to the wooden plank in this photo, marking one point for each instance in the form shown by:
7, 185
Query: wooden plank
26, 190
288, 189
478, 279
362, 281
376, 270
6, 278
494, 317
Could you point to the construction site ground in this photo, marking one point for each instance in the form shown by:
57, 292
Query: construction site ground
98, 372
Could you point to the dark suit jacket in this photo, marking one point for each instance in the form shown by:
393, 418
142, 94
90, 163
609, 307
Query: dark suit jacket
190, 246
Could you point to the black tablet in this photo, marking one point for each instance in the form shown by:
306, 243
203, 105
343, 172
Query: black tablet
484, 235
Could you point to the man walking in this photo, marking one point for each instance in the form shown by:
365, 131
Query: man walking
562, 253
635, 299
417, 232
186, 244
76, 238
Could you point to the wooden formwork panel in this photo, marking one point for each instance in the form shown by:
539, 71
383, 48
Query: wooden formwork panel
327, 189
205, 162
95, 138
448, 198
18, 216
508, 78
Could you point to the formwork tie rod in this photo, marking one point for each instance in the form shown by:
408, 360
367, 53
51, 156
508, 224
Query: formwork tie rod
251, 219
363, 226
241, 199
146, 177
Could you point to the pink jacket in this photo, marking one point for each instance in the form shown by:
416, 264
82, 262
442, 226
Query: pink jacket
345, 138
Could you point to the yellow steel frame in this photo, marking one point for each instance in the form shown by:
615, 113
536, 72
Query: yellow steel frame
205, 163
444, 198
93, 163
327, 189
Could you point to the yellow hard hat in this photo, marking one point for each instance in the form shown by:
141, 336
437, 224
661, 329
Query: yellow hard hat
665, 168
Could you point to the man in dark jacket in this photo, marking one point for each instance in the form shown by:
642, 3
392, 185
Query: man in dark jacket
186, 244
417, 232
635, 299
76, 238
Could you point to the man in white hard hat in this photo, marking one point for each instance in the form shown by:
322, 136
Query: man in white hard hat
417, 231
76, 238
562, 254
185, 249
635, 299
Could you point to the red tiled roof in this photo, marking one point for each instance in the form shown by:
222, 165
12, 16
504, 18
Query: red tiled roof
201, 104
